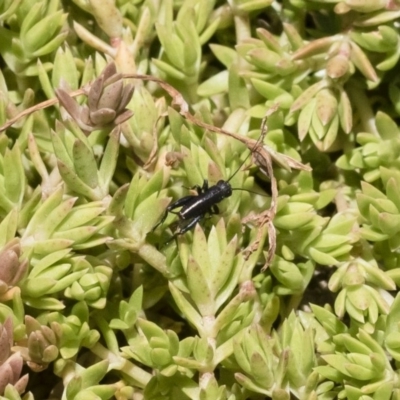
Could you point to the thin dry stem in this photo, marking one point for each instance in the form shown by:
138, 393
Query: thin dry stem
263, 154
40, 106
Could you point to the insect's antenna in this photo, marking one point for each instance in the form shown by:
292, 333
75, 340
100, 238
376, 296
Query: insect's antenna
250, 191
261, 138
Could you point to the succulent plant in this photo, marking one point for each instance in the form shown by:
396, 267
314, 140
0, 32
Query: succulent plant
112, 110
10, 363
12, 270
107, 101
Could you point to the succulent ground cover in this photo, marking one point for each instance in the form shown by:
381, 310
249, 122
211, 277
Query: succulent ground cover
110, 110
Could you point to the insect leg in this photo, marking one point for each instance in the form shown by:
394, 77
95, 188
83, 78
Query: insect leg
197, 188
214, 209
170, 209
189, 226
164, 217
184, 229
179, 203
201, 189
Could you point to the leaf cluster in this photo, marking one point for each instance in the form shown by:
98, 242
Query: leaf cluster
110, 110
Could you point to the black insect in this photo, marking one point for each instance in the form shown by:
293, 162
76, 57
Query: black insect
195, 207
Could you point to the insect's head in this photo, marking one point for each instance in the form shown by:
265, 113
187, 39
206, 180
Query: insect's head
225, 187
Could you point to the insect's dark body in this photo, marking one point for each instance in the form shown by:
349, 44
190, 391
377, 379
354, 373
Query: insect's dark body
194, 208
205, 201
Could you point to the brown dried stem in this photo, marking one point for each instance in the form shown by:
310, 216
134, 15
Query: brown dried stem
40, 106
263, 154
